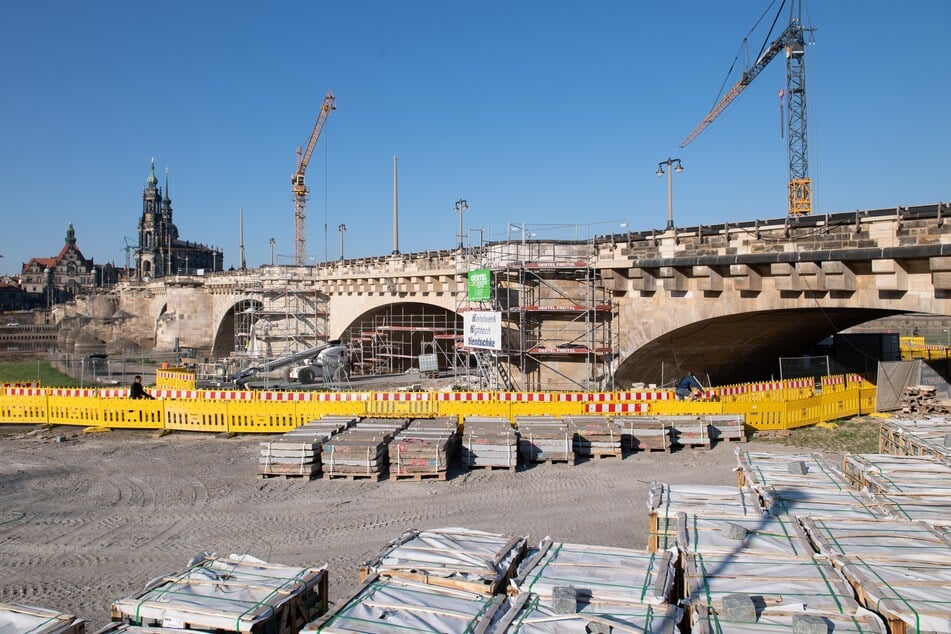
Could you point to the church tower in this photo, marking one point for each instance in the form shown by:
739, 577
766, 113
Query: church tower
155, 256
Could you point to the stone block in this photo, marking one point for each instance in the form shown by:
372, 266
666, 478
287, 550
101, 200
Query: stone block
809, 624
797, 467
739, 607
737, 532
564, 599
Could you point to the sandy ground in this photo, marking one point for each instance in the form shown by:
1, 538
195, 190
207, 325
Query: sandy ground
91, 518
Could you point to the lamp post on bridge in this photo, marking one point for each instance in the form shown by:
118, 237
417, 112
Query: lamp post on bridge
341, 228
271, 242
461, 206
670, 162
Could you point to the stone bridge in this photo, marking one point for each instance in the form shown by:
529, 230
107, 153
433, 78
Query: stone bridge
723, 300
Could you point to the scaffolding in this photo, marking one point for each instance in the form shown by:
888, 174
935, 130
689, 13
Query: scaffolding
392, 340
558, 316
279, 318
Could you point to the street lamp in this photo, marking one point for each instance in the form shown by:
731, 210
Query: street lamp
670, 186
341, 228
460, 207
271, 242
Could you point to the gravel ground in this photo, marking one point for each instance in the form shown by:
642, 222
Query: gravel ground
86, 519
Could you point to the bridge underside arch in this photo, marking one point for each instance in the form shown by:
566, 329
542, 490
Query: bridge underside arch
390, 339
739, 347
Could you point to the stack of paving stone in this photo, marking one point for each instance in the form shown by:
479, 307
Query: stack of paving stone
644, 433
564, 587
238, 593
666, 501
906, 487
917, 437
458, 558
726, 427
922, 399
544, 439
689, 431
902, 570
595, 436
16, 617
803, 484
424, 449
360, 452
297, 452
489, 442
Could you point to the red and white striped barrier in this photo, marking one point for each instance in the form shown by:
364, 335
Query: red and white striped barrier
463, 396
73, 392
339, 397
176, 394
658, 395
733, 390
766, 387
285, 396
584, 397
402, 396
526, 397
118, 392
24, 391
227, 395
617, 408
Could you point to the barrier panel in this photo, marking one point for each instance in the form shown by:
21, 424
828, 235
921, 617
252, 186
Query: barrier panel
268, 417
175, 379
176, 394
646, 395
617, 408
462, 404
679, 408
132, 414
73, 407
839, 404
395, 404
333, 404
209, 416
23, 405
114, 392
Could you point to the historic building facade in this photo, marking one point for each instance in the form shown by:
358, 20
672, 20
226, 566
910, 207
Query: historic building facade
160, 252
48, 281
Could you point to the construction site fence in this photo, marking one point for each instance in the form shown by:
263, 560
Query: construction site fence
270, 412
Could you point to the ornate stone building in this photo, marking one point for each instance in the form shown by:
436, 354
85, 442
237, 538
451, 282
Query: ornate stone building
48, 281
160, 252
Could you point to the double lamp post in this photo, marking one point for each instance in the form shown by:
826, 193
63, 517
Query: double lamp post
670, 163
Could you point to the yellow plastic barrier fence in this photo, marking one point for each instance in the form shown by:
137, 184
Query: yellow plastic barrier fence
333, 404
397, 404
23, 405
175, 379
240, 411
73, 406
132, 414
200, 415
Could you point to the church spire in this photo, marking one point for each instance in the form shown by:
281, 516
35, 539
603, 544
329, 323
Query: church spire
70, 234
152, 181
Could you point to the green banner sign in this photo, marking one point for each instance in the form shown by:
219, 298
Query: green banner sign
480, 287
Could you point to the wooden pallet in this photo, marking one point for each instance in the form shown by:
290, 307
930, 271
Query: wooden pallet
437, 475
290, 476
493, 467
374, 477
619, 454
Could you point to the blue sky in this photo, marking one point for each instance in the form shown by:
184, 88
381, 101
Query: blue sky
552, 114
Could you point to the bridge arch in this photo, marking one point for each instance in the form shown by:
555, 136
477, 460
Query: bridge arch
389, 338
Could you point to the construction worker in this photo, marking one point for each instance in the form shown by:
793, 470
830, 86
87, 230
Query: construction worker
137, 391
688, 387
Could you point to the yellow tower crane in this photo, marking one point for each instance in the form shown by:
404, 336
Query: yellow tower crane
298, 187
792, 42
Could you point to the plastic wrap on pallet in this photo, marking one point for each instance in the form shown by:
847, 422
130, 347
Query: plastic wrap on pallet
934, 510
769, 536
386, 604
793, 502
666, 501
454, 557
18, 617
233, 594
527, 614
790, 582
761, 470
911, 597
879, 540
783, 620
600, 574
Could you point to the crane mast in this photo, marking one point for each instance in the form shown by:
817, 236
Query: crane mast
299, 189
792, 41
